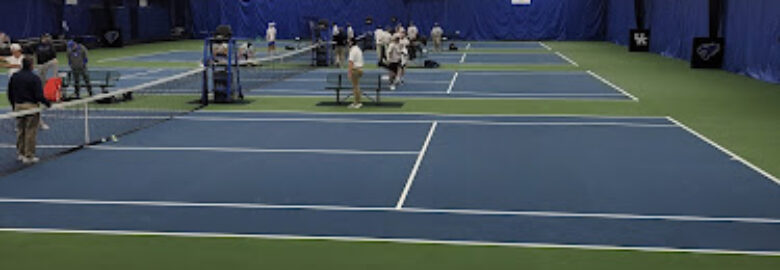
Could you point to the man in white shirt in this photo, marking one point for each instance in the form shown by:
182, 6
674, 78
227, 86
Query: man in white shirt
14, 62
270, 37
394, 54
405, 48
350, 31
413, 32
380, 48
436, 35
355, 72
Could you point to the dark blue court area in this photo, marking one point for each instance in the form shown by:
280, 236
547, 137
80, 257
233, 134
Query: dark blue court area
562, 180
466, 84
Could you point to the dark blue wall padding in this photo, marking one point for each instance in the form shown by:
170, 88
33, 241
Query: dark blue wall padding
499, 20
477, 20
752, 31
27, 18
750, 28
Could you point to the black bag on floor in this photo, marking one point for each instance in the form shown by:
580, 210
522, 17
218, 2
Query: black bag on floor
431, 64
453, 47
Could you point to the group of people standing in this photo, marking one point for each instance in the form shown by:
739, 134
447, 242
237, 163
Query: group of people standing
394, 48
25, 86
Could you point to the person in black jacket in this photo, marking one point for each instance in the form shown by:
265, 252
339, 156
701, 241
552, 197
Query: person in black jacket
25, 93
47, 58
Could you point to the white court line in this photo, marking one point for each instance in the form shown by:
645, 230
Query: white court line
251, 150
399, 208
416, 167
545, 46
46, 146
463, 122
139, 74
415, 241
433, 114
567, 59
462, 58
468, 46
724, 150
612, 85
452, 83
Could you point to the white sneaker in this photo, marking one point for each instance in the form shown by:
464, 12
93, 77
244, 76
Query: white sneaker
31, 160
355, 106
392, 87
44, 126
19, 157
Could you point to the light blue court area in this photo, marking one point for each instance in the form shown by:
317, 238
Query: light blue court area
466, 57
129, 77
467, 84
563, 180
466, 45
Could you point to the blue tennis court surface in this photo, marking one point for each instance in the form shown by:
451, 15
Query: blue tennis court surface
422, 83
452, 58
466, 45
468, 84
561, 180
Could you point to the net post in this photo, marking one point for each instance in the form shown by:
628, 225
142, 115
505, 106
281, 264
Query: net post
86, 123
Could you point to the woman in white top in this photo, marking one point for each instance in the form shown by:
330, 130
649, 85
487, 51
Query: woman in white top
355, 72
270, 37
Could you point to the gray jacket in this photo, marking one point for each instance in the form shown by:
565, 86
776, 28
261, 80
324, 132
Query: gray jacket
77, 58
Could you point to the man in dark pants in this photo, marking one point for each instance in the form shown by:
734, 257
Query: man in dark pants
77, 58
25, 93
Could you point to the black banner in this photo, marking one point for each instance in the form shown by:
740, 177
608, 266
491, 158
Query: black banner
639, 40
707, 52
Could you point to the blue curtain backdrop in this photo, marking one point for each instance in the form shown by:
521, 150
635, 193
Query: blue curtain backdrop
30, 18
751, 29
476, 20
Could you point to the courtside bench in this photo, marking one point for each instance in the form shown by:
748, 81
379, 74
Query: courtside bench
369, 82
102, 79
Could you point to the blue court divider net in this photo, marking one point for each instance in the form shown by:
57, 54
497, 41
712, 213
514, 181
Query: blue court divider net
75, 124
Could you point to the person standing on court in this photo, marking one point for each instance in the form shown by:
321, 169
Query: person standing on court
270, 37
340, 38
412, 33
26, 93
14, 62
46, 58
350, 31
355, 72
77, 59
436, 35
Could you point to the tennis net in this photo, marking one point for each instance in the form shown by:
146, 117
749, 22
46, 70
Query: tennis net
263, 72
75, 124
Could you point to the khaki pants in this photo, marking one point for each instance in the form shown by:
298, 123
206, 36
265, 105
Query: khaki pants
355, 79
339, 55
437, 44
43, 70
27, 130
